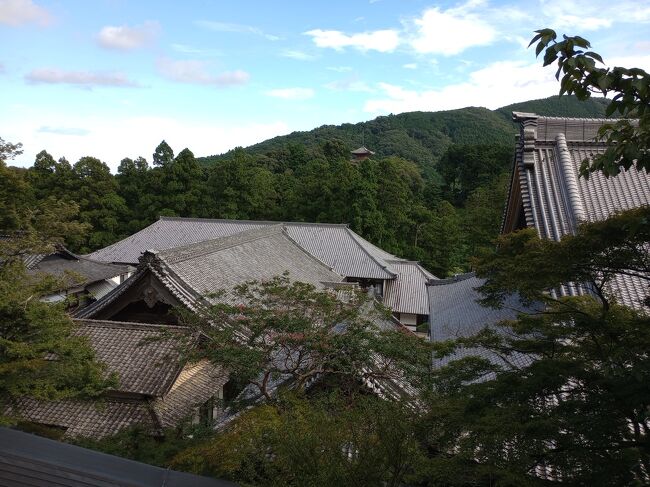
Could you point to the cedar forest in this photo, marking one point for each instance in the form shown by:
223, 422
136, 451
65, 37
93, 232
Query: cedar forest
434, 191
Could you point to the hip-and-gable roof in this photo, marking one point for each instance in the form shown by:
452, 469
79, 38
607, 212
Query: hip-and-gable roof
547, 192
336, 245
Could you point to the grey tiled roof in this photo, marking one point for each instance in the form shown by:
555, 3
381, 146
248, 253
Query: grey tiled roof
362, 151
336, 245
62, 261
100, 289
155, 389
221, 264
555, 199
344, 251
408, 292
146, 363
88, 419
193, 271
457, 313
194, 385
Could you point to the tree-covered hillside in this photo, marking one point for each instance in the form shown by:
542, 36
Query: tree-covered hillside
423, 137
558, 106
433, 192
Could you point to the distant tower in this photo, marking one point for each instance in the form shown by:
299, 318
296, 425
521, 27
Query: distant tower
361, 154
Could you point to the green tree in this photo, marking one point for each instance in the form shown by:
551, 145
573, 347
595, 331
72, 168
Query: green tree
163, 155
15, 196
133, 179
579, 411
466, 167
291, 329
8, 150
240, 188
482, 215
626, 139
40, 356
99, 204
42, 174
321, 439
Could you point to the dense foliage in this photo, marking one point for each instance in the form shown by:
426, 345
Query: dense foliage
434, 191
423, 137
290, 331
629, 88
322, 439
40, 356
579, 412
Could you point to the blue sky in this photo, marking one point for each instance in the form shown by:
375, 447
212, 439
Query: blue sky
112, 78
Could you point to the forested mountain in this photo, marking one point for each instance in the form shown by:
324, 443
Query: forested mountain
423, 137
433, 192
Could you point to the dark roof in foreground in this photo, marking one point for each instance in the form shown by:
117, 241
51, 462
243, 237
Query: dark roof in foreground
32, 461
548, 191
457, 313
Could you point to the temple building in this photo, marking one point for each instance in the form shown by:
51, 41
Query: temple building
85, 279
156, 388
399, 283
361, 154
548, 194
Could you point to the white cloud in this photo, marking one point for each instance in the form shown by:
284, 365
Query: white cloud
237, 28
449, 32
185, 49
46, 129
18, 12
299, 55
410, 66
340, 69
292, 93
496, 85
137, 136
350, 84
2, 68
196, 72
594, 14
84, 79
125, 38
385, 40
630, 61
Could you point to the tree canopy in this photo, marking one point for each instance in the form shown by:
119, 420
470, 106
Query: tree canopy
628, 138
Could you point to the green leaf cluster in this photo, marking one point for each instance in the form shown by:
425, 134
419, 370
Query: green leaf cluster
580, 74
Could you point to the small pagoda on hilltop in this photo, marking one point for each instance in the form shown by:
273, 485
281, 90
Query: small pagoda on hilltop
361, 154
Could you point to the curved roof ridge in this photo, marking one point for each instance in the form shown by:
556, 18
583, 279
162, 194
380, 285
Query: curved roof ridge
452, 280
255, 222
518, 116
110, 247
383, 265
129, 325
205, 247
309, 254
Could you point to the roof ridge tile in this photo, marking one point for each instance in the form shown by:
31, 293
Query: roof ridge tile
198, 249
